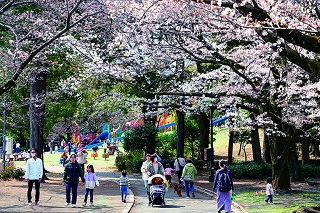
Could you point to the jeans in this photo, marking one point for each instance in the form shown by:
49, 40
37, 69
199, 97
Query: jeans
186, 185
123, 190
74, 188
269, 197
86, 195
30, 185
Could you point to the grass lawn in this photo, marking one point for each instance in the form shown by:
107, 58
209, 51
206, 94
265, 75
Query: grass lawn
99, 163
253, 202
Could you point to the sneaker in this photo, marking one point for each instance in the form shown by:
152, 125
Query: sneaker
188, 196
91, 204
67, 204
124, 201
271, 202
73, 205
30, 204
84, 204
37, 204
193, 195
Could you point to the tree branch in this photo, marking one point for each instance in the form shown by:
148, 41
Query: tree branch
10, 83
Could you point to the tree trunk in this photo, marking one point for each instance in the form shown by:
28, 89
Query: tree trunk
37, 111
180, 133
230, 147
294, 166
305, 150
266, 149
256, 148
280, 153
204, 124
152, 148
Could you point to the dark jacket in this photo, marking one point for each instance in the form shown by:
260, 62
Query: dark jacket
72, 172
216, 178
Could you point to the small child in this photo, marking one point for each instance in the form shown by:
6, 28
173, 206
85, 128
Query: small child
269, 190
124, 185
168, 172
91, 181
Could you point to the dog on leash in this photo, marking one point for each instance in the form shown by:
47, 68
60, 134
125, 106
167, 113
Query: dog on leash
177, 188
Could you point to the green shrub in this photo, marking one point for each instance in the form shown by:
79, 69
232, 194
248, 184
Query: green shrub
131, 162
124, 162
11, 172
311, 171
250, 170
137, 165
199, 164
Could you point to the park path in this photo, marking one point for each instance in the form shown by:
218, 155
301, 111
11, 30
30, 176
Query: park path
106, 197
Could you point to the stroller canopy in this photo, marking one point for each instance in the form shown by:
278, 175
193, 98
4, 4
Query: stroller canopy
156, 179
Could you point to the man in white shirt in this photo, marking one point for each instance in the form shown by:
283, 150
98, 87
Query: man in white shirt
34, 172
18, 147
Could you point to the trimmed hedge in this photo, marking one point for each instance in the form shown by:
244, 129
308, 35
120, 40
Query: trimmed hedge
250, 170
311, 171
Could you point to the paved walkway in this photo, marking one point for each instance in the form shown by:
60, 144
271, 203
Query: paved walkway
106, 197
203, 202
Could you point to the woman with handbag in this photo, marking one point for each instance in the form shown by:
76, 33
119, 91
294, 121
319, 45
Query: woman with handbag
188, 173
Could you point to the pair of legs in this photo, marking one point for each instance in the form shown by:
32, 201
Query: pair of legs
169, 178
30, 185
147, 186
186, 185
71, 187
179, 173
224, 201
123, 190
86, 195
269, 197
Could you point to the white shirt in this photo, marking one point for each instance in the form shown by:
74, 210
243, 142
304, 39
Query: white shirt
269, 189
34, 169
17, 145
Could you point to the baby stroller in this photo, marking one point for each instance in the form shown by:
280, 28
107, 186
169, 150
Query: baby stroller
157, 189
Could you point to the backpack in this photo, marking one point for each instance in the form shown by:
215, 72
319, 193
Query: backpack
224, 183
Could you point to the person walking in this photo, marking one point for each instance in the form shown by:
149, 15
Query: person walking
168, 171
179, 163
143, 169
81, 159
34, 172
91, 181
124, 185
153, 168
64, 156
269, 190
224, 182
18, 147
188, 174
145, 176
51, 146
72, 172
